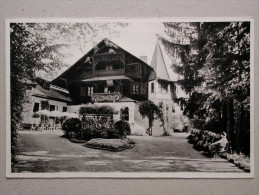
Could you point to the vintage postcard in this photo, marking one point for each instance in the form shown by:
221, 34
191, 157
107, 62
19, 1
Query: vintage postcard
130, 98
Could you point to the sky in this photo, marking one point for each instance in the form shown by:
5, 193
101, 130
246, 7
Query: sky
138, 38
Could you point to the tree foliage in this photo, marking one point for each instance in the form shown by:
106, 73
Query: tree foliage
36, 47
150, 110
213, 59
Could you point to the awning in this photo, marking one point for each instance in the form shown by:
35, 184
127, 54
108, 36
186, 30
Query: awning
108, 78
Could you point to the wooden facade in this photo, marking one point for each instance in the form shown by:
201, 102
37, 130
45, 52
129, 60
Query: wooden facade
106, 73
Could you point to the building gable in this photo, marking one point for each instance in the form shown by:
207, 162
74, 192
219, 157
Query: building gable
97, 58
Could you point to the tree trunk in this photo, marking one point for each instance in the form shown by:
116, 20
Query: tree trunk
239, 135
220, 117
151, 118
230, 123
224, 117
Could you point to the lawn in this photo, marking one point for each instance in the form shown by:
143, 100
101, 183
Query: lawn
49, 152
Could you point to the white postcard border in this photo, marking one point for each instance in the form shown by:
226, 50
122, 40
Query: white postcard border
211, 175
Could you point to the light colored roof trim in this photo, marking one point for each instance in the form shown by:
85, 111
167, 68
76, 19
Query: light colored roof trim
108, 78
59, 88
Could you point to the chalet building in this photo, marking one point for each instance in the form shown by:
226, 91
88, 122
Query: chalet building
108, 74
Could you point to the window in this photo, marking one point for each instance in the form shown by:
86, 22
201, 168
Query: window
90, 91
52, 107
44, 105
164, 88
152, 87
135, 89
36, 107
64, 109
125, 114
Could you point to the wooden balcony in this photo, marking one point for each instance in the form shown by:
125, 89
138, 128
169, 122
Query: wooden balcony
106, 97
109, 72
108, 57
84, 75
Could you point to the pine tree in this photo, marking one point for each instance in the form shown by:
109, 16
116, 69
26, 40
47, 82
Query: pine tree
215, 68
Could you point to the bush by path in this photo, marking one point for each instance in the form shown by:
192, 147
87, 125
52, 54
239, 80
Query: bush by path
209, 143
202, 140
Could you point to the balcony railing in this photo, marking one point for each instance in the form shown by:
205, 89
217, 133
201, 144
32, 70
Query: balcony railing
106, 97
108, 57
109, 72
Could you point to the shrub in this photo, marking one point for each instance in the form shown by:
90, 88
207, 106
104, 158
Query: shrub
121, 129
94, 129
97, 121
97, 110
72, 127
202, 141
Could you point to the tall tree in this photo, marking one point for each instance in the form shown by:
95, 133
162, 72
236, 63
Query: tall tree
214, 66
41, 47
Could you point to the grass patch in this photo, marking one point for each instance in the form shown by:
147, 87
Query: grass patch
114, 145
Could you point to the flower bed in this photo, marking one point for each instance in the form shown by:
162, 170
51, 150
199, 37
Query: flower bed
114, 145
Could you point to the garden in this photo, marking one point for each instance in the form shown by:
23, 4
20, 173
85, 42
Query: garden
96, 128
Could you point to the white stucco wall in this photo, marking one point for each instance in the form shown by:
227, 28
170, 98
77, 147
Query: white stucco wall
28, 108
158, 94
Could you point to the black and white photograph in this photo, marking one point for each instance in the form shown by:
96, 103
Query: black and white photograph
137, 98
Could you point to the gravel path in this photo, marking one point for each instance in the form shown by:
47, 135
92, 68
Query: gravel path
48, 152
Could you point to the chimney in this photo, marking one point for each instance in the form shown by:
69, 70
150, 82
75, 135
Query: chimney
143, 58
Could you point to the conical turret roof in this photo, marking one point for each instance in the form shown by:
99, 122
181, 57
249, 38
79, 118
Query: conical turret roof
158, 63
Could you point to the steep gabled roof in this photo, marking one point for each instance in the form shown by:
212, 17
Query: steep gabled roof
67, 72
158, 63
